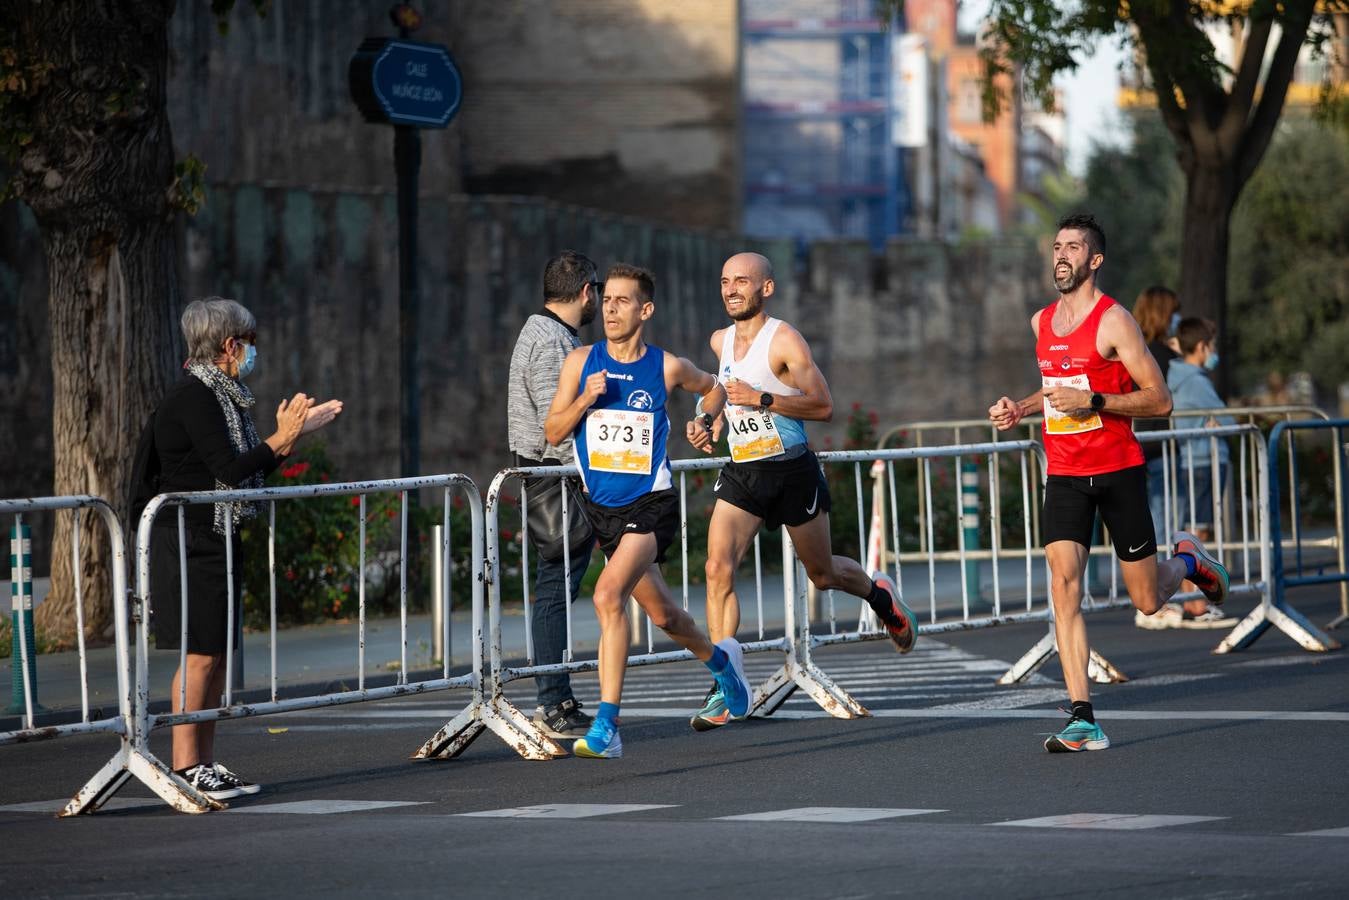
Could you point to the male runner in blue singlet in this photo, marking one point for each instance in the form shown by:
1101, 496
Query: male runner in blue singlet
773, 384
611, 396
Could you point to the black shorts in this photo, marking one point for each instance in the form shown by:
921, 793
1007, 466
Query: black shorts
207, 588
1072, 501
656, 513
781, 493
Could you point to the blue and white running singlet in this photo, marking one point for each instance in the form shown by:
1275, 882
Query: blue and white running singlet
620, 442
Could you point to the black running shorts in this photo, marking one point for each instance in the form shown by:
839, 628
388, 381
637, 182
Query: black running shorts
655, 513
1072, 501
781, 493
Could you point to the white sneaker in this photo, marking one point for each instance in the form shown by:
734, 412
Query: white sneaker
1171, 615
1213, 617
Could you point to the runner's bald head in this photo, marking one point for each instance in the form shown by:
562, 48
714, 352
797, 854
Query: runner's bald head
753, 264
746, 279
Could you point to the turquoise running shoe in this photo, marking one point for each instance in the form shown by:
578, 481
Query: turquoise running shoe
714, 713
1078, 734
732, 681
1210, 576
601, 741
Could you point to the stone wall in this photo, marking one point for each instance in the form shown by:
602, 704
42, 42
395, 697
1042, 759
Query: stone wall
625, 105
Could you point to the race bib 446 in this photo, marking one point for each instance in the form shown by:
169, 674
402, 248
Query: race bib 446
751, 434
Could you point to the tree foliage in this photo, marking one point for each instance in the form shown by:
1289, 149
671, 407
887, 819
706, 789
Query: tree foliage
1290, 260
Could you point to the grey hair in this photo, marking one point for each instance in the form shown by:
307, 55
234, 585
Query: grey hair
207, 323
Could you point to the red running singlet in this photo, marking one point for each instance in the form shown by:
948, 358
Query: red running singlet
1102, 442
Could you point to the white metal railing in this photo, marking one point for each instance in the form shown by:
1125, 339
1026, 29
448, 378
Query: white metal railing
115, 724
136, 760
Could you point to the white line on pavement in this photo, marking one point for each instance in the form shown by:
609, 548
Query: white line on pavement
324, 807
1112, 821
827, 814
565, 810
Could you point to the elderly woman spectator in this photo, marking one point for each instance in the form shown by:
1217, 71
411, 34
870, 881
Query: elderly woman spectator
205, 439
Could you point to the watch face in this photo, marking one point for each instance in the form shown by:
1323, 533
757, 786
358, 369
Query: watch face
765, 399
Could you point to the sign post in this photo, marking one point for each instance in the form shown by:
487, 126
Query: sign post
410, 85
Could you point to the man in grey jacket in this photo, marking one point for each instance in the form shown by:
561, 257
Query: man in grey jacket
571, 296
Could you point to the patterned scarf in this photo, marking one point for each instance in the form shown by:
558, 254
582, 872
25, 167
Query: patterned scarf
235, 401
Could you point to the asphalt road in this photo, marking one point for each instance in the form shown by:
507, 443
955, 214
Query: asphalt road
1221, 771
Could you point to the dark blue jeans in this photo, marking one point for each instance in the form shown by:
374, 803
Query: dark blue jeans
548, 620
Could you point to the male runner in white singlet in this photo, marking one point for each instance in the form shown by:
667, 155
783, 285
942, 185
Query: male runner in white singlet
611, 397
772, 385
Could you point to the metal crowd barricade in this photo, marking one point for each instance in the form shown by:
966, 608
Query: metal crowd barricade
1233, 540
1276, 610
946, 608
118, 724
797, 668
134, 759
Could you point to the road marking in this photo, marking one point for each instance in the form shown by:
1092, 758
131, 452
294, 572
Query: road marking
324, 807
52, 807
565, 810
827, 814
1112, 821
1290, 660
1324, 832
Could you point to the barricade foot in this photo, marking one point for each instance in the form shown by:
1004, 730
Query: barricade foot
825, 691
792, 676
1336, 622
774, 692
1286, 619
129, 763
1031, 661
454, 737
515, 728
1102, 671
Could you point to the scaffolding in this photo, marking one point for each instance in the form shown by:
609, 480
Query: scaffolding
816, 89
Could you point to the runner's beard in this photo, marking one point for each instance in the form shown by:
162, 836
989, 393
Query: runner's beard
1071, 282
753, 306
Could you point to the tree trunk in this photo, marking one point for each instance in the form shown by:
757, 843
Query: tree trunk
97, 176
1210, 195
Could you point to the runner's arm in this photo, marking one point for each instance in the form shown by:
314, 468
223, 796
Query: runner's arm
683, 373
791, 351
570, 402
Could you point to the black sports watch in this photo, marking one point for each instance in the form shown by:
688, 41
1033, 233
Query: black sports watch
706, 421
1097, 402
765, 400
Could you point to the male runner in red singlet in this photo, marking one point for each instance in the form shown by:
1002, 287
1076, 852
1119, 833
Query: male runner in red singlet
1096, 375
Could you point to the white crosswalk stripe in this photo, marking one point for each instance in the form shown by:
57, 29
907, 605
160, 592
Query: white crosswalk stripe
565, 810
1110, 821
828, 814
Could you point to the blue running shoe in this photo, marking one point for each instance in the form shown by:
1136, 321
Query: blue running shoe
714, 713
601, 741
1210, 576
899, 620
734, 685
1078, 734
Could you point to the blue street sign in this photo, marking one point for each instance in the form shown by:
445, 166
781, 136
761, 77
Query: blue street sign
405, 83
